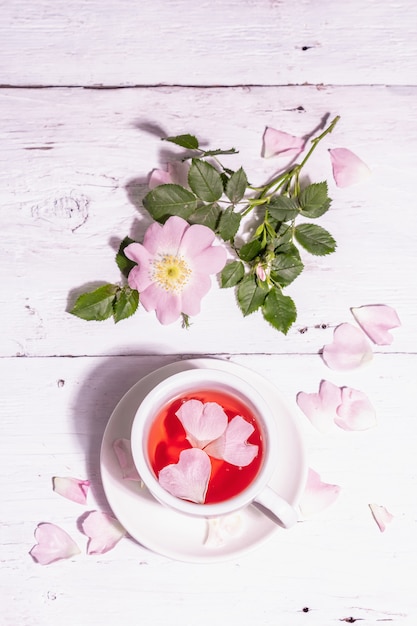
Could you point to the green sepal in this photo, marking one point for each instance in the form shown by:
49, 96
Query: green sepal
96, 305
229, 224
236, 185
232, 274
185, 141
283, 208
125, 304
167, 200
250, 294
285, 268
207, 215
205, 181
218, 152
315, 239
279, 310
314, 200
124, 264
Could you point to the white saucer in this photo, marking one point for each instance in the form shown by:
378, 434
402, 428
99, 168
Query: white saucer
176, 535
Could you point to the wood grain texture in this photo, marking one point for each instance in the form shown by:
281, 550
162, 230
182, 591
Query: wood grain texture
239, 42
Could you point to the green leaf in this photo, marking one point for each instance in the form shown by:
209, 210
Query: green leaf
185, 141
250, 294
236, 186
314, 200
284, 236
167, 200
285, 268
232, 274
125, 303
124, 264
96, 305
205, 181
250, 250
315, 239
282, 208
207, 214
279, 310
229, 224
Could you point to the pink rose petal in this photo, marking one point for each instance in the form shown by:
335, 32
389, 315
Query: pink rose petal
320, 408
349, 349
202, 422
376, 320
348, 169
277, 142
103, 531
317, 495
188, 479
221, 529
355, 411
232, 446
123, 452
177, 174
71, 488
381, 516
53, 544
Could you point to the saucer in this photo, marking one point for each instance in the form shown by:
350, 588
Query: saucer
174, 534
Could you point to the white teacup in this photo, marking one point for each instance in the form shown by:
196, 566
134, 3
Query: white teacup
257, 492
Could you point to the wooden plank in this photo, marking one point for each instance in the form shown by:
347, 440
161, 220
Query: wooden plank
122, 43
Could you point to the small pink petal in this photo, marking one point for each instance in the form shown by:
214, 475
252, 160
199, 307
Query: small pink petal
53, 544
355, 411
188, 479
71, 488
320, 408
123, 452
158, 177
260, 272
376, 320
177, 173
317, 495
202, 422
220, 529
232, 446
349, 349
277, 142
381, 516
348, 169
103, 531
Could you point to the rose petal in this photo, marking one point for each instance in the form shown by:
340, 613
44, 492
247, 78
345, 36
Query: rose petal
355, 411
232, 446
317, 495
220, 529
71, 488
158, 177
103, 531
320, 408
202, 422
277, 142
381, 516
188, 479
123, 452
53, 544
349, 349
348, 168
376, 320
177, 174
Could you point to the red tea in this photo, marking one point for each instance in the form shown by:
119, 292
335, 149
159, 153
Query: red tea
167, 439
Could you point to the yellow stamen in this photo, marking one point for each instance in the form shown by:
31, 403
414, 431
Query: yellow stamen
171, 272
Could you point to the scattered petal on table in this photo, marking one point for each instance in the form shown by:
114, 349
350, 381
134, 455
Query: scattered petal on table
103, 531
202, 422
177, 173
232, 446
355, 411
123, 452
376, 320
349, 349
221, 529
188, 479
53, 544
71, 488
317, 495
381, 516
320, 408
278, 142
348, 168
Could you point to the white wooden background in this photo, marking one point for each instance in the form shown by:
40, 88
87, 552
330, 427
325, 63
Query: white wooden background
86, 87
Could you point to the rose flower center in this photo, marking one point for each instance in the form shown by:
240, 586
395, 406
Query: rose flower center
171, 272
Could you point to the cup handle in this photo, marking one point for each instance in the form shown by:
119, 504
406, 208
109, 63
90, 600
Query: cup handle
276, 508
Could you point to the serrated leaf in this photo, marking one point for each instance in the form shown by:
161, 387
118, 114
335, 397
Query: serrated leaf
229, 224
207, 215
96, 305
232, 274
250, 294
314, 200
124, 264
236, 185
125, 303
167, 200
185, 141
279, 310
284, 236
285, 268
315, 239
250, 250
282, 208
205, 181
